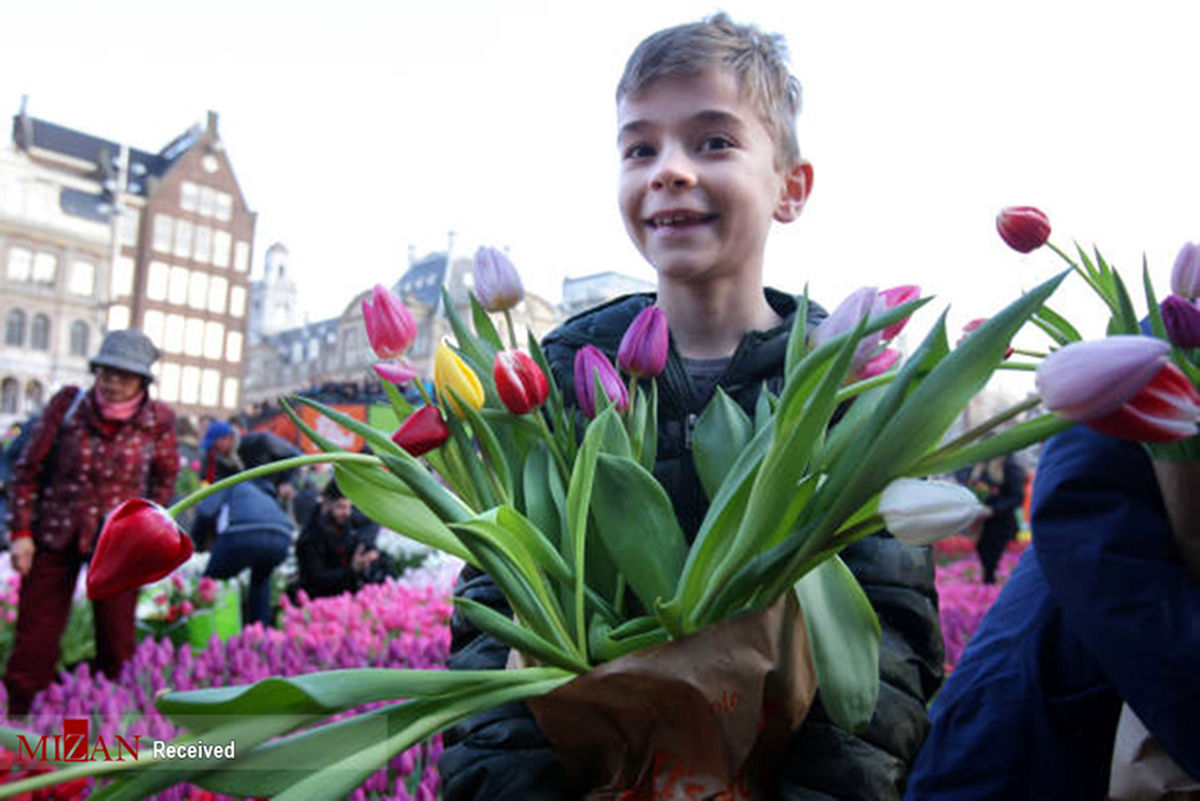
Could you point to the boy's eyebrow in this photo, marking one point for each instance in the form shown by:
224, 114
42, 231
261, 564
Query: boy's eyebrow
706, 117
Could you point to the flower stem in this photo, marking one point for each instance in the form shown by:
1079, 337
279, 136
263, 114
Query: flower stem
267, 469
1112, 304
512, 331
1027, 367
987, 425
1036, 354
858, 387
424, 392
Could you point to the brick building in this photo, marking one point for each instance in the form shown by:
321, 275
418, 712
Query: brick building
98, 236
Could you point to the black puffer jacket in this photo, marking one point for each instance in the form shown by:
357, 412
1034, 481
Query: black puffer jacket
503, 755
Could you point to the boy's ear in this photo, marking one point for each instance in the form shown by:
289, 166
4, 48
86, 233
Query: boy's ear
797, 186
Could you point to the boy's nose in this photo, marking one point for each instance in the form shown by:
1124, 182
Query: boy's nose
673, 173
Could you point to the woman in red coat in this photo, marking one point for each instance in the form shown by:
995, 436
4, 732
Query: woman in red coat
91, 449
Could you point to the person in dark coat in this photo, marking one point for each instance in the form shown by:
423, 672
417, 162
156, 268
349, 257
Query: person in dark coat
90, 450
252, 529
1100, 610
1000, 484
336, 551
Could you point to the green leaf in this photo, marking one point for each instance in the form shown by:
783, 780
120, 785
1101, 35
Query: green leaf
763, 409
649, 452
489, 444
473, 350
648, 547
400, 405
379, 441
1011, 439
721, 430
485, 330
1060, 328
798, 336
1157, 327
514, 635
542, 504
1125, 321
844, 635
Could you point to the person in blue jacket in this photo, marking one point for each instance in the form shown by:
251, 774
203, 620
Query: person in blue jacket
1099, 611
252, 529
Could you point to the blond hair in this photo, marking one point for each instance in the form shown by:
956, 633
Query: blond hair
757, 60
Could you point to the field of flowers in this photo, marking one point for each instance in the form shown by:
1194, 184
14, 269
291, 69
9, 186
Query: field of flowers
396, 624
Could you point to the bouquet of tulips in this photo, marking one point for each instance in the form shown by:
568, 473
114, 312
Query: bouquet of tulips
498, 471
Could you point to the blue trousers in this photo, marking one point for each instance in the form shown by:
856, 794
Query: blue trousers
262, 552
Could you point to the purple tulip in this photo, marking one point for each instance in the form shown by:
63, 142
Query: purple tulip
845, 317
390, 325
1185, 275
591, 362
497, 284
1085, 380
1182, 319
643, 350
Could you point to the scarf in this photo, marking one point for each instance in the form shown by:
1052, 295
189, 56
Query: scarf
119, 411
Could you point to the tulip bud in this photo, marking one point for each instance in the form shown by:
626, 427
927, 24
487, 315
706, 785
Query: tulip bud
139, 543
396, 373
591, 362
521, 384
497, 284
890, 299
920, 512
451, 372
423, 431
643, 350
880, 363
844, 319
1182, 320
972, 325
1185, 275
1123, 386
1023, 228
390, 326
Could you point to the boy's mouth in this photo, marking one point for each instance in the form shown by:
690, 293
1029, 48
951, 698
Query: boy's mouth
668, 220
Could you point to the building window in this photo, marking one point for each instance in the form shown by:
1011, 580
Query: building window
183, 239
189, 196
241, 257
214, 341
118, 318
35, 397
20, 263
177, 287
162, 233
79, 338
129, 228
224, 206
152, 326
217, 287
231, 394
233, 347
121, 283
208, 201
14, 328
39, 332
168, 382
237, 301
203, 250
83, 278
173, 334
210, 387
193, 337
189, 384
222, 243
156, 282
198, 289
45, 268
8, 395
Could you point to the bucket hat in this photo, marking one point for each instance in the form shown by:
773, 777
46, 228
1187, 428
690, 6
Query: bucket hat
129, 350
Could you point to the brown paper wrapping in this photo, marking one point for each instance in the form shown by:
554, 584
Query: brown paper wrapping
1179, 482
689, 719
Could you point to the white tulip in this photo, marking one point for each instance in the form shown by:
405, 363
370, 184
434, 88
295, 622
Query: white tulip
919, 512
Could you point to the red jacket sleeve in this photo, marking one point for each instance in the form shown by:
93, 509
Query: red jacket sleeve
27, 472
165, 465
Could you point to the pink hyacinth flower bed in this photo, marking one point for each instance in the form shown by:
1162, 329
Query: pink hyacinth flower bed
398, 625
962, 596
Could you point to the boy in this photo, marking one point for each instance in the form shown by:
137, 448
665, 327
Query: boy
706, 137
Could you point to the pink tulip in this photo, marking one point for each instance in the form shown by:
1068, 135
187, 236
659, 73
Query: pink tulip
845, 317
880, 363
590, 362
497, 283
890, 299
1023, 228
1182, 320
643, 350
1185, 275
398, 373
390, 325
1123, 386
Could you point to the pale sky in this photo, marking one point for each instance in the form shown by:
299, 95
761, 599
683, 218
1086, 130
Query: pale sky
359, 128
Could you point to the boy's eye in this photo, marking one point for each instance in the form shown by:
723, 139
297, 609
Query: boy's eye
638, 151
716, 142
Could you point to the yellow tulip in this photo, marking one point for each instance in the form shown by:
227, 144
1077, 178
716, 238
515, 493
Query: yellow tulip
451, 372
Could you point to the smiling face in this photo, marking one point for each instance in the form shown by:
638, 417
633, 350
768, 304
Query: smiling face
701, 179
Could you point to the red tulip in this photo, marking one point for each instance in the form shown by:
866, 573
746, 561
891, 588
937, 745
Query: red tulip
1024, 228
890, 299
390, 325
138, 544
423, 431
521, 384
1166, 410
643, 350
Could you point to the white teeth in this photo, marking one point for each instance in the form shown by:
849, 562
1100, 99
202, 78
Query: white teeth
677, 219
